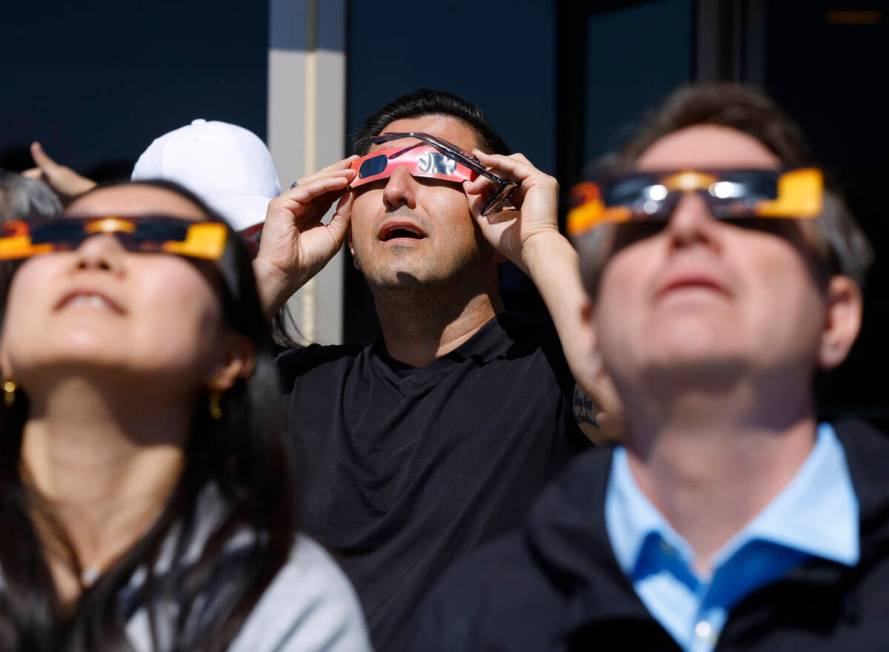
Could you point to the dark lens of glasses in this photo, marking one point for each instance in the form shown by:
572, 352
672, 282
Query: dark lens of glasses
159, 230
59, 231
373, 166
72, 232
631, 190
755, 184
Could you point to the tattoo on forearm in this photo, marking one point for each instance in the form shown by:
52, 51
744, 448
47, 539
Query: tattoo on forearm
584, 408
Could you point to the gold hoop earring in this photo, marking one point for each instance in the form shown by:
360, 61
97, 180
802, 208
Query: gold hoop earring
9, 388
215, 404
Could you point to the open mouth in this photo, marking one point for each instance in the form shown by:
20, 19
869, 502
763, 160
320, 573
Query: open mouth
396, 231
88, 299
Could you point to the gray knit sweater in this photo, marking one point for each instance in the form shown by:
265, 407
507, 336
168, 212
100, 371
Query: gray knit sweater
309, 607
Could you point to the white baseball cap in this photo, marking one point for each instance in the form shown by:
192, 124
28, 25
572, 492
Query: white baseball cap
227, 166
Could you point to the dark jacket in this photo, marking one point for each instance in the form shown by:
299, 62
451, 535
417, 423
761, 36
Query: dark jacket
556, 585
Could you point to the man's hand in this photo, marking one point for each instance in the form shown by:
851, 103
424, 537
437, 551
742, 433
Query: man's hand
66, 183
535, 202
295, 243
529, 237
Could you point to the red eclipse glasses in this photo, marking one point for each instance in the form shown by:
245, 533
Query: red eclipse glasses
423, 161
432, 158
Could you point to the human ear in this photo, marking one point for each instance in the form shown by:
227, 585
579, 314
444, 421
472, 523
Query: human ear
842, 321
237, 359
599, 395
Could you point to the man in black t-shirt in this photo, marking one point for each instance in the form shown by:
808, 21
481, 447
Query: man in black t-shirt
422, 446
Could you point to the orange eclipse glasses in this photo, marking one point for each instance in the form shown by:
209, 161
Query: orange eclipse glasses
729, 193
151, 234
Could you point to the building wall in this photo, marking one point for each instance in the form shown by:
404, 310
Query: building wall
97, 81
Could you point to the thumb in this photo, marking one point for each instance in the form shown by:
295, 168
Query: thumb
476, 199
339, 223
42, 159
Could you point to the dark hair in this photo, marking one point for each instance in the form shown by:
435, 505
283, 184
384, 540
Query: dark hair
745, 109
241, 463
425, 101
23, 197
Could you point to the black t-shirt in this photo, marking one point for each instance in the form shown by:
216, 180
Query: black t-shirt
404, 470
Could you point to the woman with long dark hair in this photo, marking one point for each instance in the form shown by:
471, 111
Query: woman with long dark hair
146, 489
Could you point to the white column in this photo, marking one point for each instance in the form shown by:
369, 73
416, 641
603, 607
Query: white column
306, 130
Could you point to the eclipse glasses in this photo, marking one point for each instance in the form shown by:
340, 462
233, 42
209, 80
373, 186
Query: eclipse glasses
430, 158
152, 234
730, 194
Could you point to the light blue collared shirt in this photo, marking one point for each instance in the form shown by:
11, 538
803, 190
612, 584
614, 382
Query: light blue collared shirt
815, 515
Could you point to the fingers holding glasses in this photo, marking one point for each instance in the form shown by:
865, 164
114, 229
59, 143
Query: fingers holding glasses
537, 193
295, 217
312, 197
520, 169
340, 168
535, 203
295, 243
309, 198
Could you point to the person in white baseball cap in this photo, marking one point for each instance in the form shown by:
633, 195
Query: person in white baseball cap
228, 166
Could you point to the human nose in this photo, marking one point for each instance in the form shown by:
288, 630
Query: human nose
692, 222
100, 253
400, 190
